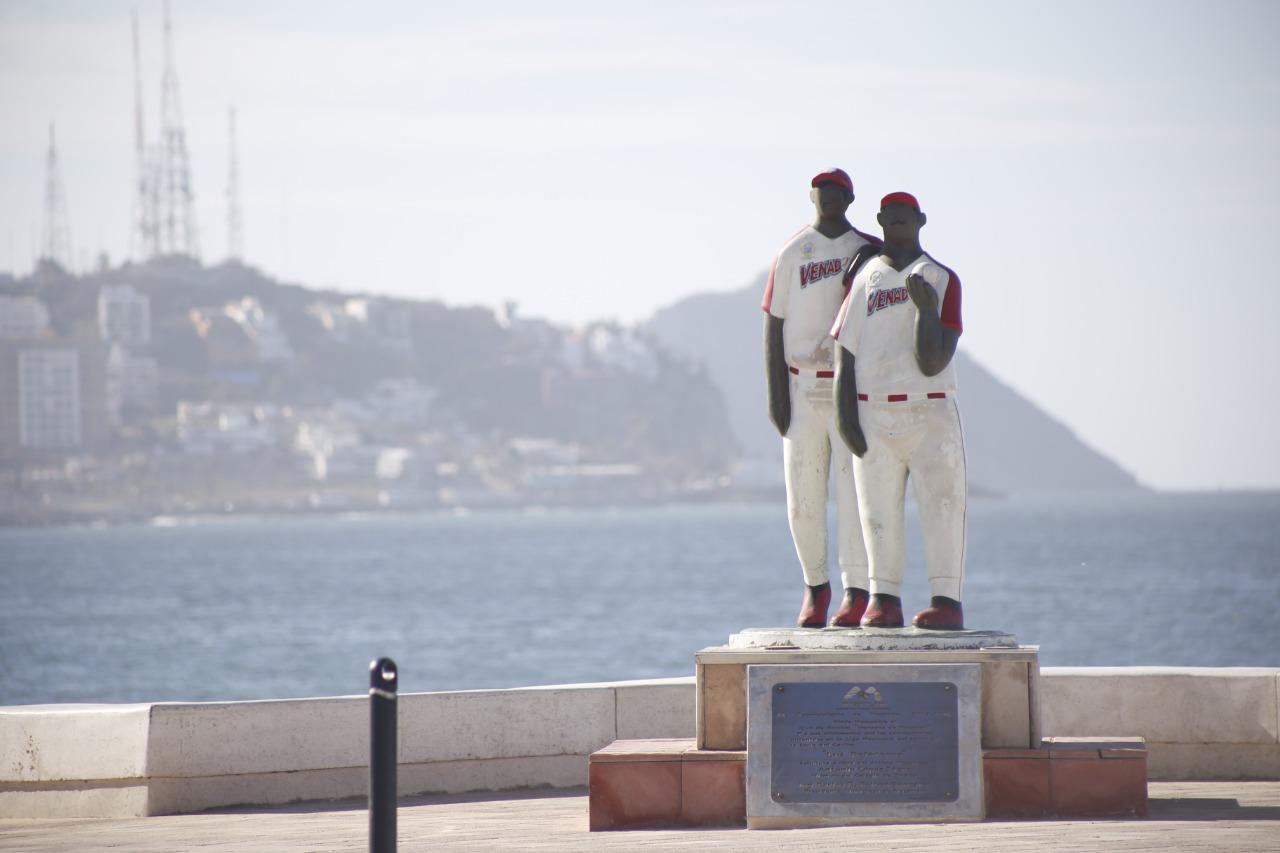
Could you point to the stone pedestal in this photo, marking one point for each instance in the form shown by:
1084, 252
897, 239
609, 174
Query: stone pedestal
1010, 674
702, 782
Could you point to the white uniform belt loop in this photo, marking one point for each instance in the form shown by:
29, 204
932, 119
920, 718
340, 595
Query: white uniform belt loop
903, 398
821, 374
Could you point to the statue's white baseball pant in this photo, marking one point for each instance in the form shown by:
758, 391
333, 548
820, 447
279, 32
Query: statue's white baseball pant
807, 457
920, 440
805, 290
910, 422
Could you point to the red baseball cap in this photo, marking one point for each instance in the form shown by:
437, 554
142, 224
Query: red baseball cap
833, 176
900, 198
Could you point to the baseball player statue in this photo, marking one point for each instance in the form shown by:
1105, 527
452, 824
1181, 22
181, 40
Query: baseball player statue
805, 290
896, 409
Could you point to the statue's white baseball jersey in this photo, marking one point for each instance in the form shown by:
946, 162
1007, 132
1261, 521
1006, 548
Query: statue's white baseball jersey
911, 424
806, 287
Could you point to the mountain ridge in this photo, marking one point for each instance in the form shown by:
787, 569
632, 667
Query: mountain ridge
1012, 445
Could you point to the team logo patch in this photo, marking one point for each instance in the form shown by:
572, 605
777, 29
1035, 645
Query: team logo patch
876, 275
818, 270
879, 299
807, 250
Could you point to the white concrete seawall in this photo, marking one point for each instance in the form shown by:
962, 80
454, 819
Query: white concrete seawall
1200, 722
167, 758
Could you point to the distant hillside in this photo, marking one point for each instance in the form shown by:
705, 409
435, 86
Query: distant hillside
616, 397
1013, 447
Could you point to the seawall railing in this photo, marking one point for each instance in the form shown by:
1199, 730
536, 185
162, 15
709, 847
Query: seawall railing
172, 757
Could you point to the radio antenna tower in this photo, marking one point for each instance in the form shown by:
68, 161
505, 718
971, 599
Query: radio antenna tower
144, 240
175, 197
235, 220
56, 243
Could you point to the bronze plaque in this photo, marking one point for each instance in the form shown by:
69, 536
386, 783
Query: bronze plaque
874, 742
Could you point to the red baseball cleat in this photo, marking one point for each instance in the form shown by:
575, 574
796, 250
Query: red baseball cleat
851, 609
813, 610
944, 614
883, 611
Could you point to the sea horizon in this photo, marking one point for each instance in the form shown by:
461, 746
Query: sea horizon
212, 608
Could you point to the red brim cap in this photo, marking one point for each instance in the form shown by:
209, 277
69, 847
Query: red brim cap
833, 176
900, 198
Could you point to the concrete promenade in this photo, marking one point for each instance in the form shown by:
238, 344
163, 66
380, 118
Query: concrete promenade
1185, 816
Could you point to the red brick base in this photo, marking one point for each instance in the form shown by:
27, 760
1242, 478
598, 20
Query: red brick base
650, 783
668, 783
1068, 777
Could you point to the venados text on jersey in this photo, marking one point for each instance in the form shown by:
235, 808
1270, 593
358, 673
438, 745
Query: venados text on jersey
818, 270
884, 298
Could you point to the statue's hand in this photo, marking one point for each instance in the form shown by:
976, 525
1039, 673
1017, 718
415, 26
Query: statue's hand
780, 414
853, 438
922, 293
857, 442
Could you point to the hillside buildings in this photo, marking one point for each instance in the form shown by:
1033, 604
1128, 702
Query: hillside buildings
124, 316
169, 387
23, 318
52, 398
52, 390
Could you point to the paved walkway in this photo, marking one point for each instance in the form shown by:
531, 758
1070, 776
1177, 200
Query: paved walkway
1185, 816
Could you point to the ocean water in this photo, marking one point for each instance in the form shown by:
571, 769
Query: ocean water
290, 606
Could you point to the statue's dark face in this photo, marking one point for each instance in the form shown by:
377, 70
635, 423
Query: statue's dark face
901, 223
832, 201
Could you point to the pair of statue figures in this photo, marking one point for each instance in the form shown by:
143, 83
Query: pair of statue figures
859, 337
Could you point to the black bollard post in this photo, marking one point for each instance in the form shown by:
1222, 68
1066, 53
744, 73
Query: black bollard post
382, 756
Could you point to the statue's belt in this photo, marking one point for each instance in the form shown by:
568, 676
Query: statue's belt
903, 398
821, 374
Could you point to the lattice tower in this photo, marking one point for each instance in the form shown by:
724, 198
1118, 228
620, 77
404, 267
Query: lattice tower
235, 220
175, 195
55, 244
144, 239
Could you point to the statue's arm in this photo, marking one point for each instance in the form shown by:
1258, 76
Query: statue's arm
776, 376
846, 391
865, 252
935, 343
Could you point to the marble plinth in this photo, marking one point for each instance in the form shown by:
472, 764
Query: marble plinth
870, 639
1010, 675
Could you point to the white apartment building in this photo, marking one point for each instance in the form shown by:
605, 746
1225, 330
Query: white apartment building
131, 383
22, 317
49, 398
124, 316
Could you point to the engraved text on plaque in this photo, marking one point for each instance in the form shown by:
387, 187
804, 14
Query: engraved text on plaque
883, 742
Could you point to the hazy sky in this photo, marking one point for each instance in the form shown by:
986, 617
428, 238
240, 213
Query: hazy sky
1102, 175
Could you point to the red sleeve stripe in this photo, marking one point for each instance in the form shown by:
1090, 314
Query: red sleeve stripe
951, 303
838, 327
768, 288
